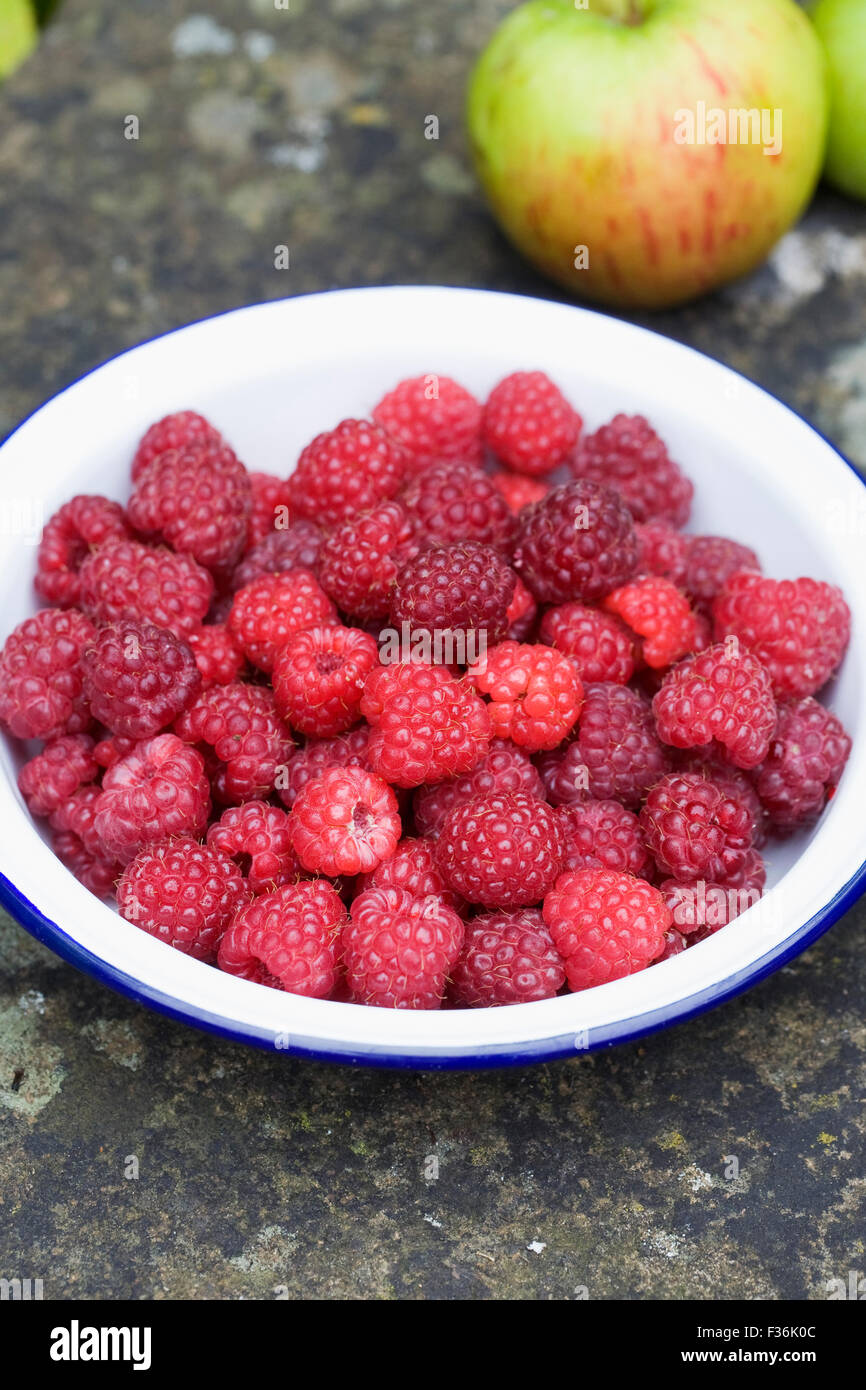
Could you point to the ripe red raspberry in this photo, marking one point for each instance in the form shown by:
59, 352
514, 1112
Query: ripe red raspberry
600, 646
294, 548
157, 790
504, 768
183, 893
268, 611
183, 430
507, 958
346, 470
628, 455
64, 765
751, 876
518, 490
656, 610
605, 925
577, 543
110, 750
412, 867
426, 724
41, 681
799, 628
138, 678
125, 579
433, 418
217, 653
269, 506
198, 501
451, 502
319, 754
618, 744
344, 822
360, 559
256, 836
601, 835
675, 943
694, 829
700, 909
463, 588
722, 694
98, 875
564, 775
319, 678
399, 950
502, 850
251, 744
710, 562
529, 424
69, 536
522, 612
77, 813
535, 694
288, 939
737, 784
662, 550
807, 753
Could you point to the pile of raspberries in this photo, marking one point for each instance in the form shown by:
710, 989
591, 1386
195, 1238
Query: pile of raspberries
226, 750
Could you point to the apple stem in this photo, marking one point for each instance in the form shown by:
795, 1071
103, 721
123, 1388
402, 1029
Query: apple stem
624, 11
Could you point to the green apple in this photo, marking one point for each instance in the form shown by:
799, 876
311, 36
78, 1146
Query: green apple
17, 33
641, 152
842, 27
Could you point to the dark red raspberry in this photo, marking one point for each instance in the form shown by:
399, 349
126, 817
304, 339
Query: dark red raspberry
564, 775
600, 646
737, 784
98, 875
319, 678
72, 532
217, 653
656, 610
198, 501
619, 745
605, 925
346, 470
41, 680
694, 829
504, 768
724, 695
529, 424
451, 502
751, 876
518, 490
110, 750
183, 893
268, 611
138, 678
433, 418
807, 754
502, 850
289, 939
77, 813
426, 724
63, 766
182, 430
535, 694
157, 790
256, 836
507, 958
251, 744
295, 548
346, 750
460, 588
360, 560
710, 562
125, 579
601, 835
628, 455
699, 909
662, 550
675, 942
522, 612
399, 950
412, 867
344, 822
269, 510
577, 543
798, 628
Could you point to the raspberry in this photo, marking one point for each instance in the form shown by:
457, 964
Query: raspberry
600, 646
504, 768
412, 867
605, 925
456, 502
399, 950
198, 501
807, 753
97, 874
109, 751
125, 579
157, 790
628, 455
360, 560
138, 677
344, 471
699, 909
251, 744
269, 507
722, 694
183, 430
577, 543
522, 612
344, 822
662, 550
295, 548
518, 490
710, 562
618, 744
288, 939
266, 613
737, 784
77, 813
656, 610
76, 529
529, 424
217, 654
319, 678
601, 835
675, 942
502, 850
183, 893
507, 958
535, 694
694, 829
564, 775
63, 766
751, 876
256, 836
41, 681
433, 418
319, 754
799, 628
427, 725
454, 588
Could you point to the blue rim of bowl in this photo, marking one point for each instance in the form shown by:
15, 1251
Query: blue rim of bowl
549, 1049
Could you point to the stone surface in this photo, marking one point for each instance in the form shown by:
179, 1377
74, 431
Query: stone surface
723, 1158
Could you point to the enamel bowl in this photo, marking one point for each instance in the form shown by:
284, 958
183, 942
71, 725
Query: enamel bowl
271, 377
